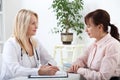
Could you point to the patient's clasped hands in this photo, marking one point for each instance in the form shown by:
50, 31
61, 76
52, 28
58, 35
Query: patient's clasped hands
74, 68
48, 70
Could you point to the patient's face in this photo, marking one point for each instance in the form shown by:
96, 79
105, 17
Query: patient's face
92, 29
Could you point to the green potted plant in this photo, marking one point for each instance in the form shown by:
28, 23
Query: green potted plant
69, 18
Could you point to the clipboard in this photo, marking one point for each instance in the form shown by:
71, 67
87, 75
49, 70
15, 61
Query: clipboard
59, 74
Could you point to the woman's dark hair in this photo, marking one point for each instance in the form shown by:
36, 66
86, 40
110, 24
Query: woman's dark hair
100, 16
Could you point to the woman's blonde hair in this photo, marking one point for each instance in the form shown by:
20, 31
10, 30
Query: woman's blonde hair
21, 26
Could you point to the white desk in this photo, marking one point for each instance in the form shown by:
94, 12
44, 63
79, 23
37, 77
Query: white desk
70, 77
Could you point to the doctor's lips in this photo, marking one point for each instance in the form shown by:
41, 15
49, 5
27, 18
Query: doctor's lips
34, 30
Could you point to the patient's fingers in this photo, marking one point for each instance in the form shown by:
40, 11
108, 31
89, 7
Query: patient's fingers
73, 68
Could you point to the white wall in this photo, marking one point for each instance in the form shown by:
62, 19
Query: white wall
11, 7
47, 19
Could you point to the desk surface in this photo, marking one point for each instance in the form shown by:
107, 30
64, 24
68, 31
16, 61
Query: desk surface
70, 77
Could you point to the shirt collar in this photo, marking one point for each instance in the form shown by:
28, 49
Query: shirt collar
103, 40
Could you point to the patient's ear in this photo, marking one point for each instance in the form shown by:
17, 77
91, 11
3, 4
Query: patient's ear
100, 26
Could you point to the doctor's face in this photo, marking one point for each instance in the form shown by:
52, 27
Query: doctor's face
32, 26
92, 29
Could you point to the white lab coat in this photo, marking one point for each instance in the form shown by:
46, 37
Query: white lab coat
13, 64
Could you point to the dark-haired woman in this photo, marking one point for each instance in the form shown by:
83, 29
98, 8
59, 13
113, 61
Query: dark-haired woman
101, 60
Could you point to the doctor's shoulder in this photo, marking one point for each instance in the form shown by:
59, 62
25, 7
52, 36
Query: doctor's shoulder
12, 42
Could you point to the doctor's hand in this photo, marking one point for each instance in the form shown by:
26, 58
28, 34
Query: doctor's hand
73, 68
48, 70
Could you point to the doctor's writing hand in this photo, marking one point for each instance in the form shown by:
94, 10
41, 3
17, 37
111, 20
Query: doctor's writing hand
73, 68
47, 70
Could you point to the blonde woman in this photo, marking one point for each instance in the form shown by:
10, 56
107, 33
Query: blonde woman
22, 54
